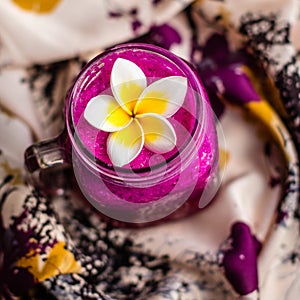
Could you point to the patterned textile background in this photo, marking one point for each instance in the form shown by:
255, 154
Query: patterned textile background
245, 244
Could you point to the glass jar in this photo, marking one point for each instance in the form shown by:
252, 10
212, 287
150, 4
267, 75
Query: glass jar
152, 187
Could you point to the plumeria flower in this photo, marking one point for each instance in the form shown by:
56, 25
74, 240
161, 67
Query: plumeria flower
136, 115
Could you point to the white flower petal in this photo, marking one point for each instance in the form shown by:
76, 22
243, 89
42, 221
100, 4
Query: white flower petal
160, 136
164, 96
125, 145
127, 83
104, 113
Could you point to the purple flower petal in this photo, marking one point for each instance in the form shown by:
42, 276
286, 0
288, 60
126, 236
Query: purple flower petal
240, 262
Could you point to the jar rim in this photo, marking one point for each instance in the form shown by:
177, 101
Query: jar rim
188, 152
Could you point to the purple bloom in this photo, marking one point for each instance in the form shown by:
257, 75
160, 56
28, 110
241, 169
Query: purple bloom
240, 261
163, 36
223, 72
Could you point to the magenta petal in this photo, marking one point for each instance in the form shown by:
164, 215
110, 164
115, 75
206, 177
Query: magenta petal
240, 262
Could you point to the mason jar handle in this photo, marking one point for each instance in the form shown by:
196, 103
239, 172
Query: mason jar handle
47, 162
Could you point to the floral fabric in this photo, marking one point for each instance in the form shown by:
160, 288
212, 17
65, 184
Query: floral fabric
245, 244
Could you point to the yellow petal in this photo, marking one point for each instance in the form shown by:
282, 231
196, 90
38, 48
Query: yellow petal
38, 6
160, 136
58, 261
125, 145
164, 96
104, 113
127, 83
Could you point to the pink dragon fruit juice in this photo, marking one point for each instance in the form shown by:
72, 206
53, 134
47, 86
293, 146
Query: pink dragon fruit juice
152, 186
